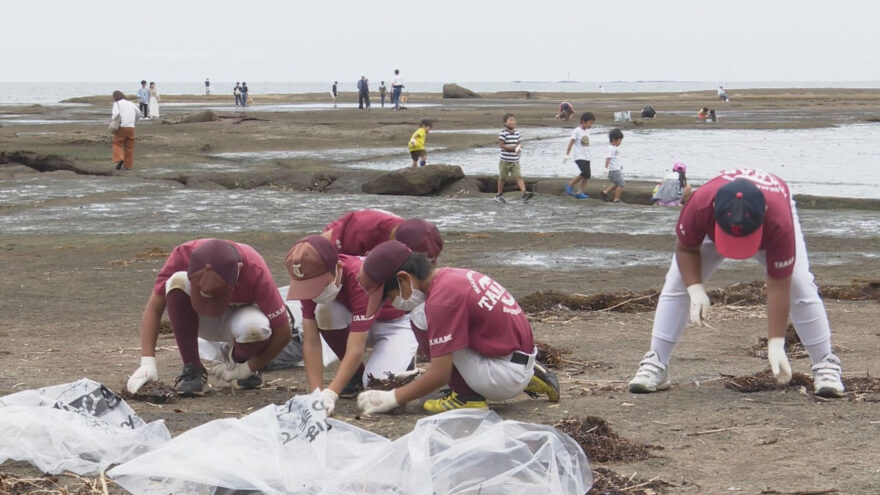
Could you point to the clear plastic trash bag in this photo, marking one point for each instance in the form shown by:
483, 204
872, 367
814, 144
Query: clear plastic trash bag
295, 449
82, 427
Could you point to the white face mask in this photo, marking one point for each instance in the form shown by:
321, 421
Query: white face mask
417, 297
328, 295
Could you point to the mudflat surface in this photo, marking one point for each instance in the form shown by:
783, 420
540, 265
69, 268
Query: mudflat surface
71, 306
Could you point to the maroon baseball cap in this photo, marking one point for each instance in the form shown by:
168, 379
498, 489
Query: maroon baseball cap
213, 272
421, 236
739, 219
309, 263
380, 265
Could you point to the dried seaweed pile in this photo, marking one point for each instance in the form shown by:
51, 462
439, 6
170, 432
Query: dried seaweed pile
626, 302
858, 290
550, 356
390, 382
152, 253
862, 389
745, 294
607, 482
65, 484
765, 380
600, 443
152, 392
793, 345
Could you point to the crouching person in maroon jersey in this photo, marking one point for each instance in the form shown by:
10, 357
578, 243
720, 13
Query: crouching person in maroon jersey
480, 342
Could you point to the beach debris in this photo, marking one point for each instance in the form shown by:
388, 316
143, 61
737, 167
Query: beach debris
765, 380
608, 482
858, 290
390, 382
862, 388
794, 348
62, 484
600, 443
152, 392
551, 356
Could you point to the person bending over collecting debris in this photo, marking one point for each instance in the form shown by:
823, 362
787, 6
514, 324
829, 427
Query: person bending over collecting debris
480, 341
336, 306
740, 214
221, 291
357, 232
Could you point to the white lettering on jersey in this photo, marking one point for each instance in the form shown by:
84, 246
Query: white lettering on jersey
441, 340
278, 312
362, 317
782, 264
491, 293
766, 182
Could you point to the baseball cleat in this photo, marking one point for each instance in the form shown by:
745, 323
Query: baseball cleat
651, 377
192, 381
543, 382
452, 401
826, 377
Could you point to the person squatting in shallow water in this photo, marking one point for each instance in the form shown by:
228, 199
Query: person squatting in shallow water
220, 291
674, 189
741, 214
476, 336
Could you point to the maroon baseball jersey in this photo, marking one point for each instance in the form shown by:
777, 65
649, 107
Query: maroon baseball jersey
697, 218
255, 282
468, 309
353, 297
357, 232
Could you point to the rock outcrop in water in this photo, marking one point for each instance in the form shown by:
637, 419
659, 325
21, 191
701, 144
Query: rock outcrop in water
452, 90
414, 181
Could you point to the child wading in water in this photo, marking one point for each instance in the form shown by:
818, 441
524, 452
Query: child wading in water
417, 144
580, 142
615, 169
511, 148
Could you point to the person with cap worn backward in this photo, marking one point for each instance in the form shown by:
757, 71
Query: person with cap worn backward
480, 341
740, 214
334, 306
357, 232
221, 291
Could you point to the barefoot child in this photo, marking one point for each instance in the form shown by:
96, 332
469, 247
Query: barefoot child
615, 169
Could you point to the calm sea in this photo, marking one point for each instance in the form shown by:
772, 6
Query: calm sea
53, 92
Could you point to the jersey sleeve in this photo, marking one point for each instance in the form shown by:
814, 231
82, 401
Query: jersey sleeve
447, 328
177, 261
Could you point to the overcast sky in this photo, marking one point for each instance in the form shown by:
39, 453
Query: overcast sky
442, 41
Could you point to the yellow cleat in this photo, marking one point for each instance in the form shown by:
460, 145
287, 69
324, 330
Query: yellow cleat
543, 382
452, 401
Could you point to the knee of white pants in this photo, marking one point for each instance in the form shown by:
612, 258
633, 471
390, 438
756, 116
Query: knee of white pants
333, 316
393, 348
248, 324
178, 280
495, 378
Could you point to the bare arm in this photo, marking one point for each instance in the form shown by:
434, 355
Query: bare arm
150, 322
313, 355
277, 341
436, 376
354, 356
778, 302
507, 147
607, 162
568, 150
689, 264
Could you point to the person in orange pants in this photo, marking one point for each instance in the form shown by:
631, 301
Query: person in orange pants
123, 138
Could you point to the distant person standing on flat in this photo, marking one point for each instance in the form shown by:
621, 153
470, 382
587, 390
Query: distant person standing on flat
361, 85
334, 93
123, 138
396, 89
382, 91
144, 99
154, 101
244, 94
367, 93
236, 91
207, 86
722, 93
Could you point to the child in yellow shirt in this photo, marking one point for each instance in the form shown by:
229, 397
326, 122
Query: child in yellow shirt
417, 143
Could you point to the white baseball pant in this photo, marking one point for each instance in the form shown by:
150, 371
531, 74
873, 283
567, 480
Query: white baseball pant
807, 310
243, 324
393, 343
495, 378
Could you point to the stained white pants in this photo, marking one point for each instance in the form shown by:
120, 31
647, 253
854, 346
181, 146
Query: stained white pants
807, 310
495, 378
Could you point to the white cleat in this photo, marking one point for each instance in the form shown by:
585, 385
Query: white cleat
651, 377
826, 377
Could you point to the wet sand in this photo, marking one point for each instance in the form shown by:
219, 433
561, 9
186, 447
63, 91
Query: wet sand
72, 302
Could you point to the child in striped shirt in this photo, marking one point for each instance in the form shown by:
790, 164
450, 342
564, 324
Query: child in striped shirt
511, 148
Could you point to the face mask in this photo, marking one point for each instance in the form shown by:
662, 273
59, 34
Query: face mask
417, 297
328, 295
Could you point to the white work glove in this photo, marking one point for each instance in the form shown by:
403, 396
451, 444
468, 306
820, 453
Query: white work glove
377, 401
699, 304
147, 372
329, 398
230, 372
778, 360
